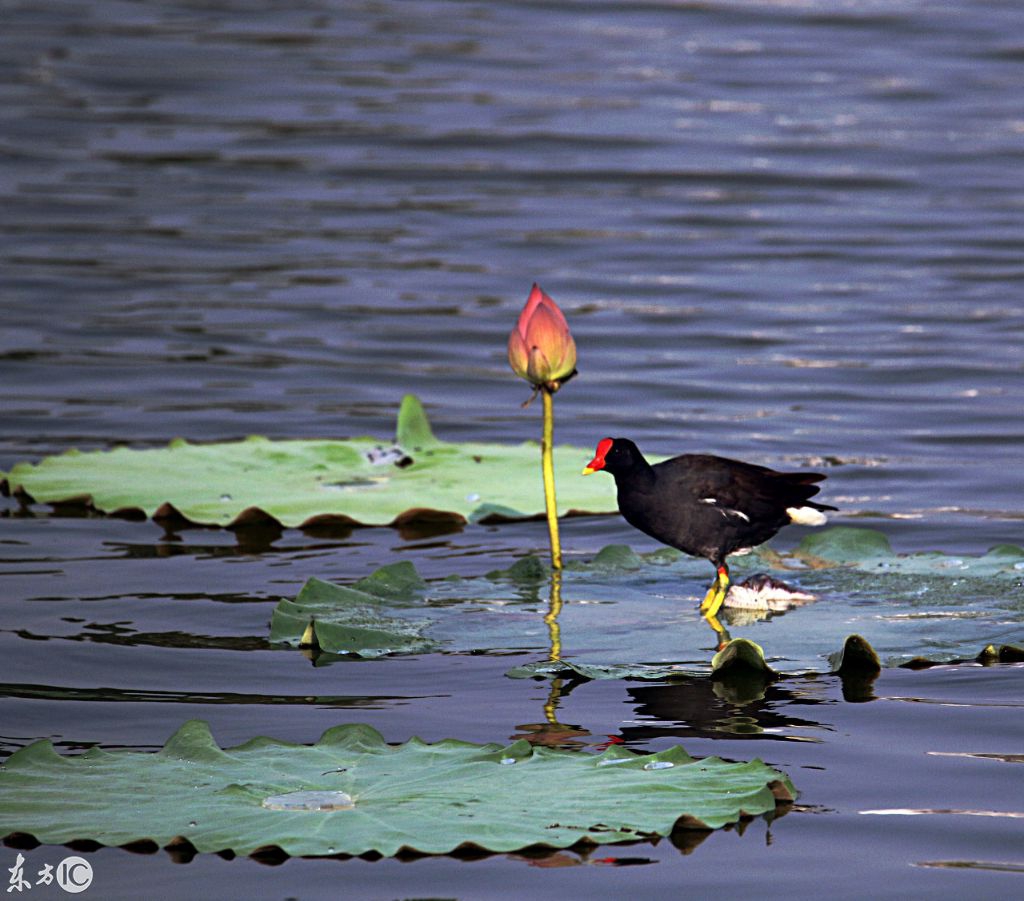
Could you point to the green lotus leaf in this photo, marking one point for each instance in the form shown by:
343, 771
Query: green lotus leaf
845, 544
398, 581
628, 615
312, 482
350, 793
856, 657
353, 620
617, 556
1006, 653
870, 550
743, 656
528, 569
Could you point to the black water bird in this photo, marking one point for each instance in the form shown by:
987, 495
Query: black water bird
707, 506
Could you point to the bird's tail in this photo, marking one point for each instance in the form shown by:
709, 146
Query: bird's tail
807, 512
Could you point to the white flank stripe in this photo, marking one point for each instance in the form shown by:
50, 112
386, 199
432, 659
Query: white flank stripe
806, 516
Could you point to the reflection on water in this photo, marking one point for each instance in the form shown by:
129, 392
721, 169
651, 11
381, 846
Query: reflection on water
53, 692
701, 707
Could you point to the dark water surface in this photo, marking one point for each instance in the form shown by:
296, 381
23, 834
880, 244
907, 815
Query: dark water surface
791, 232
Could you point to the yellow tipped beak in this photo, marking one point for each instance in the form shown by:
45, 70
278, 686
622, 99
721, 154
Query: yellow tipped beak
598, 462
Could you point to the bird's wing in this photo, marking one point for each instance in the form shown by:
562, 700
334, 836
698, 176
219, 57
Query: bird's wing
742, 490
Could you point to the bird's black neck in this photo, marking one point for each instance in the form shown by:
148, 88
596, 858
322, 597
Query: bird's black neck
639, 474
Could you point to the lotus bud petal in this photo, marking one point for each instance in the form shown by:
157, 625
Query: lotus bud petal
540, 348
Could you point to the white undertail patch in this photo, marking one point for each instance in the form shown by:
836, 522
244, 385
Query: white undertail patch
806, 516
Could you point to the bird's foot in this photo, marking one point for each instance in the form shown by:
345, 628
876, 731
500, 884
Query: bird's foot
709, 606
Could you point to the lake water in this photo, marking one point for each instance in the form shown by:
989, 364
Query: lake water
790, 232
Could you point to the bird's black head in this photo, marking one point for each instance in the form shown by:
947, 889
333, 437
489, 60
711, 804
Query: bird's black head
615, 455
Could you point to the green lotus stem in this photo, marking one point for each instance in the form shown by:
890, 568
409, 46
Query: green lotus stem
548, 471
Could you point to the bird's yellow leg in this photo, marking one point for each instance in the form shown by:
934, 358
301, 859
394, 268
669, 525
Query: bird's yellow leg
709, 598
716, 593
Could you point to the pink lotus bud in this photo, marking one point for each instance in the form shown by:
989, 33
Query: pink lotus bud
540, 348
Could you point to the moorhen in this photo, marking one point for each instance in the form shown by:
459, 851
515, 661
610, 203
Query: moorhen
707, 506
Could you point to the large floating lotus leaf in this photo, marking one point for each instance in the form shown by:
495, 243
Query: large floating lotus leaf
351, 793
626, 615
309, 482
